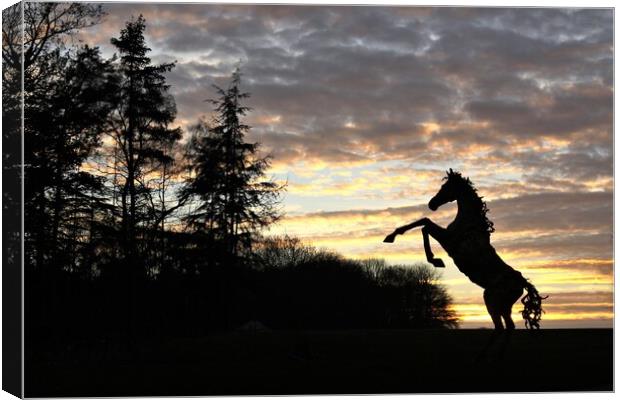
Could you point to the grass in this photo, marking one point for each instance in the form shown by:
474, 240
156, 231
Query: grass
399, 361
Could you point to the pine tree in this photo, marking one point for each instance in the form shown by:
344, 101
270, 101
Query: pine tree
233, 202
140, 128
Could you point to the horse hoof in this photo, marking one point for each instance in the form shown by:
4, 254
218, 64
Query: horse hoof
389, 238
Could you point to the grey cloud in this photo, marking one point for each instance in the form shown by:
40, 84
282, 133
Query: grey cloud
552, 306
513, 74
568, 245
571, 110
554, 211
545, 211
576, 225
582, 297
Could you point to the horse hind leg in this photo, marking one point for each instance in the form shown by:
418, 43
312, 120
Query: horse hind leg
494, 309
497, 332
507, 316
510, 327
496, 316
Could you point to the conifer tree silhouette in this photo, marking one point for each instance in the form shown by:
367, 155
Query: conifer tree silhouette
233, 199
140, 126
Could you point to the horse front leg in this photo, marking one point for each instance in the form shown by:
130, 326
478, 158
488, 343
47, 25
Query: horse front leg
430, 257
401, 230
429, 228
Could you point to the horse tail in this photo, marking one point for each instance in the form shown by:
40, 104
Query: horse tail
532, 306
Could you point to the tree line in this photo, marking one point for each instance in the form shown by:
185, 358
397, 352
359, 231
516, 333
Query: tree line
102, 156
128, 224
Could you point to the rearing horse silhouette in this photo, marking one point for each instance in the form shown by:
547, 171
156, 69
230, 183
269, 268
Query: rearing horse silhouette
467, 242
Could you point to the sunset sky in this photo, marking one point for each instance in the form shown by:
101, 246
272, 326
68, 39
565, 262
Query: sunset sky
364, 108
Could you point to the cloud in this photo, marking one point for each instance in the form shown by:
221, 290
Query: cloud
554, 212
569, 231
489, 77
537, 212
562, 113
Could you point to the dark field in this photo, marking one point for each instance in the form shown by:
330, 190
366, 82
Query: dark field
403, 361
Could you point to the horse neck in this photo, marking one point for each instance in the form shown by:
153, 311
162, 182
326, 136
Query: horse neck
467, 204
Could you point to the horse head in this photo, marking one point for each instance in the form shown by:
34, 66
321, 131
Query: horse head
449, 190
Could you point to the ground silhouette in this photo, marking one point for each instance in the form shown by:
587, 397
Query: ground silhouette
336, 362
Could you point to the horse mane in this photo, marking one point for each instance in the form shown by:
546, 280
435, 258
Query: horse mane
467, 185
